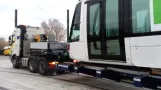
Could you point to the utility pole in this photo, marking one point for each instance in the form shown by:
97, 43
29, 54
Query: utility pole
68, 25
15, 17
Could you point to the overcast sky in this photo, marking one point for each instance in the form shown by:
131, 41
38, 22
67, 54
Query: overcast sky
32, 12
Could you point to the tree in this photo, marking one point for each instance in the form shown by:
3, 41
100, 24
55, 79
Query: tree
56, 28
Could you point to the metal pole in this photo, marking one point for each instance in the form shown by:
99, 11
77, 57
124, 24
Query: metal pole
68, 25
15, 17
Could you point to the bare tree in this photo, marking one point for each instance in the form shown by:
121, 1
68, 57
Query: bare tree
54, 27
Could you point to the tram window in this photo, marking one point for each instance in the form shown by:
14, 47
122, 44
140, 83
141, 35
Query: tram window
94, 19
112, 18
75, 28
140, 16
112, 26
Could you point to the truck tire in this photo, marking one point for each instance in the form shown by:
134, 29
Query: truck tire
43, 66
32, 65
15, 62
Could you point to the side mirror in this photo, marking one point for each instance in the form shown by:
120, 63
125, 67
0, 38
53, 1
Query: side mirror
10, 40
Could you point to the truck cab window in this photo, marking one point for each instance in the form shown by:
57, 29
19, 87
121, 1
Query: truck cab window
75, 28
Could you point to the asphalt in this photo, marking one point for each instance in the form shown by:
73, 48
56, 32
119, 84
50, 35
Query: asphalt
22, 79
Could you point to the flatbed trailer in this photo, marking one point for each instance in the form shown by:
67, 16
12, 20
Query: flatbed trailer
137, 78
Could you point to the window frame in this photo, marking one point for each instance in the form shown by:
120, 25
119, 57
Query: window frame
120, 37
103, 37
89, 40
130, 27
72, 25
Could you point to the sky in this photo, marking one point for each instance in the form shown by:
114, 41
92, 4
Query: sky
33, 12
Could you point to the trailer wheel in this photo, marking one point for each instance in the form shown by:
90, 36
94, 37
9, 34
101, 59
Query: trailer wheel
32, 65
43, 66
15, 62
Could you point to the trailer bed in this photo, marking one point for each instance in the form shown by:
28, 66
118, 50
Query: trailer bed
137, 78
48, 45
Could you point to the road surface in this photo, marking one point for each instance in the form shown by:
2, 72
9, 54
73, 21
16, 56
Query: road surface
22, 79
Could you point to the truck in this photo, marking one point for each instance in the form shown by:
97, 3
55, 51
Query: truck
40, 54
32, 48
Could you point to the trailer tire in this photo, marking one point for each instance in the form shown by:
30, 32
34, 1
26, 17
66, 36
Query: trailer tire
43, 66
32, 65
15, 62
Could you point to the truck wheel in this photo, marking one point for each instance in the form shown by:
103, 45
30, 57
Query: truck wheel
43, 66
31, 65
15, 62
